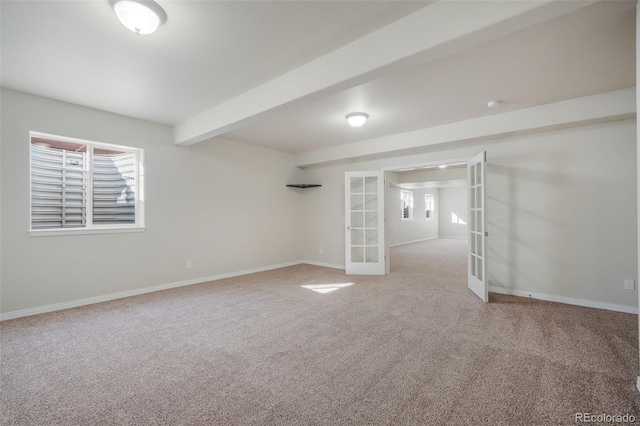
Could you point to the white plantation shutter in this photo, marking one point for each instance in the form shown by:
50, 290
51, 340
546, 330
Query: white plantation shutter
114, 183
58, 188
406, 205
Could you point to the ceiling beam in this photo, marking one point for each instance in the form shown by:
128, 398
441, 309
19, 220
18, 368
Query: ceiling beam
437, 30
600, 108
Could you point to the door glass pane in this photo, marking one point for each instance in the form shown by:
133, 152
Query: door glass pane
478, 201
371, 219
479, 224
472, 197
357, 254
473, 175
357, 220
472, 220
479, 251
372, 254
371, 184
357, 237
357, 185
472, 243
371, 237
371, 202
357, 202
478, 174
473, 265
479, 270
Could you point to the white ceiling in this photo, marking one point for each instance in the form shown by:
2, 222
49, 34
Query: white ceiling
212, 51
206, 53
589, 51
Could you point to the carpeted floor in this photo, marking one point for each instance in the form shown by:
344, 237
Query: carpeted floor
415, 347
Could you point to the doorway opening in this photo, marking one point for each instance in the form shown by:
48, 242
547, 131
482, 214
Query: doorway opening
370, 214
426, 213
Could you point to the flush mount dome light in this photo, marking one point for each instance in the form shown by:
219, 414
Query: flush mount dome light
357, 119
494, 103
140, 16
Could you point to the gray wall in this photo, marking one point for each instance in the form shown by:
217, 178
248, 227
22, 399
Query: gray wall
433, 175
405, 231
561, 210
638, 159
222, 205
453, 201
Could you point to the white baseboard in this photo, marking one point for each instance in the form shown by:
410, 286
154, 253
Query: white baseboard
113, 296
324, 265
411, 242
566, 300
454, 238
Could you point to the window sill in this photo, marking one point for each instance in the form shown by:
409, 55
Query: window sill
82, 231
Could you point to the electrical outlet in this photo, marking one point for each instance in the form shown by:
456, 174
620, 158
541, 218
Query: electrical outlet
629, 284
189, 264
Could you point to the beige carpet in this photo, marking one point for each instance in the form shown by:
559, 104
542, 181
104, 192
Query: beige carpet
415, 347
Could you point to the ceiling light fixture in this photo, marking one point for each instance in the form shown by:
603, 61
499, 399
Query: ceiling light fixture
442, 166
357, 119
140, 16
494, 103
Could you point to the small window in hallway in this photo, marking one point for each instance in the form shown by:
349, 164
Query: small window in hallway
429, 206
406, 205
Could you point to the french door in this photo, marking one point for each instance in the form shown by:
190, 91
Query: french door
477, 276
364, 223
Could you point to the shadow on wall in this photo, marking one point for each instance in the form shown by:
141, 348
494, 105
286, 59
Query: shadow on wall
527, 236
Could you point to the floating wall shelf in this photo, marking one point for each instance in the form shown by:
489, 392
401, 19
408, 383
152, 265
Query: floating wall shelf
303, 185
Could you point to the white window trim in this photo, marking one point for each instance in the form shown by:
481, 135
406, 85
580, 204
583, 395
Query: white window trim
410, 218
83, 231
90, 228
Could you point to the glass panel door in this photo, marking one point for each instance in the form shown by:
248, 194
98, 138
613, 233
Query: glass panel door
364, 223
477, 277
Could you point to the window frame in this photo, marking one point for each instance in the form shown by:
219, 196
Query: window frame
90, 227
402, 205
429, 201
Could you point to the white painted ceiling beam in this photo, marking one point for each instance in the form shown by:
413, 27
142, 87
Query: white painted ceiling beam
434, 31
604, 107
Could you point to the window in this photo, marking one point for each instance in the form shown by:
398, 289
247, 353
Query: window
428, 206
79, 186
406, 205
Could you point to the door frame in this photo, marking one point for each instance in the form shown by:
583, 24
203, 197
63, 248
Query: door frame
400, 168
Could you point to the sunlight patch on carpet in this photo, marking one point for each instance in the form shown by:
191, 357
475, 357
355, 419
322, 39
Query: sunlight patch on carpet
325, 288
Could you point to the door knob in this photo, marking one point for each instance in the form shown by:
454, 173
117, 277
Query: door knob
348, 228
